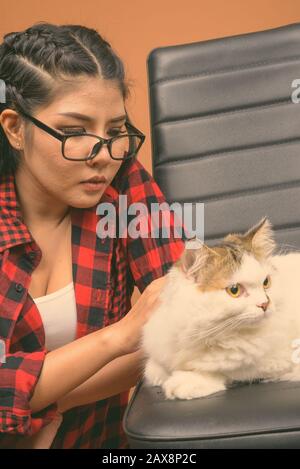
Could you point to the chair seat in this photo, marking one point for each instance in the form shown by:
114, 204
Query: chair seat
257, 415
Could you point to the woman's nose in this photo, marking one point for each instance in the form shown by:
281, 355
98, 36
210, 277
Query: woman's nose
101, 153
264, 305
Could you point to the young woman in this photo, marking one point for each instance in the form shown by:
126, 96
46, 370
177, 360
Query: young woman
71, 336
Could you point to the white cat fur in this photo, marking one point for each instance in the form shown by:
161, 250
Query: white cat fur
188, 360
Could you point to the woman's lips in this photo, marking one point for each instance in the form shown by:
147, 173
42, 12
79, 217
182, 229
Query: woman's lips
93, 186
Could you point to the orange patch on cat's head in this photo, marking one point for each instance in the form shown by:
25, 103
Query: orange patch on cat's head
212, 266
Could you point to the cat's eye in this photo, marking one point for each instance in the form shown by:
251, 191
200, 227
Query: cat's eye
234, 290
267, 282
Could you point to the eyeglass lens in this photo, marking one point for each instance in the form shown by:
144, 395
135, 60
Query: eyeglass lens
84, 146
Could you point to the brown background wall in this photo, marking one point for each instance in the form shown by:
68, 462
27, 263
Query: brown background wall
135, 27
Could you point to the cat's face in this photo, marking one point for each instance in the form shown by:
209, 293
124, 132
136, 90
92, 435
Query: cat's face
234, 280
244, 296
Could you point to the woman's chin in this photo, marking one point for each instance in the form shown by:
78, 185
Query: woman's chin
88, 200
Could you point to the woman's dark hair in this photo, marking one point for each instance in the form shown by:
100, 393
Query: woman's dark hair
34, 62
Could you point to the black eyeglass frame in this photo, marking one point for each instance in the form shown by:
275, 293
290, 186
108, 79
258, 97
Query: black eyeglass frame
63, 137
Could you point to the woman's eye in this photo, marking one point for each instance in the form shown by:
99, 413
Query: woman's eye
234, 290
72, 130
267, 282
116, 132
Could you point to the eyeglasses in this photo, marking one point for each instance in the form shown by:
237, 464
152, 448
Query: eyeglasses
82, 146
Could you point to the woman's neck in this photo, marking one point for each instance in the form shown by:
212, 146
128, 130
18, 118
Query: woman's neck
37, 206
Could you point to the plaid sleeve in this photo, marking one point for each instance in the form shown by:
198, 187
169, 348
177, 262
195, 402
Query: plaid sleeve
19, 374
150, 256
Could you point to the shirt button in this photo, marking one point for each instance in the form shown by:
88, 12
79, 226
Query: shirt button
19, 287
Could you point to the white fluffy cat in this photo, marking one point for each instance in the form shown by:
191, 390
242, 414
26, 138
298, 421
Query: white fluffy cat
228, 312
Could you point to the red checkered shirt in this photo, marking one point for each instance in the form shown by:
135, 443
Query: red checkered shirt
105, 271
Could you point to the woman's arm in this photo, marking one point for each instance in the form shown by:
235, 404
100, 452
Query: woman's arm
119, 375
116, 377
68, 366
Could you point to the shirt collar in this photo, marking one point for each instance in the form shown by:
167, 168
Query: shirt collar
13, 230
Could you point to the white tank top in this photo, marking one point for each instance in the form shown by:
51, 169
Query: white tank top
59, 316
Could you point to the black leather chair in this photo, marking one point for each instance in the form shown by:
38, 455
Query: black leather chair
226, 132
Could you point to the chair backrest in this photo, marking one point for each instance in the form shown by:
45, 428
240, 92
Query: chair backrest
226, 132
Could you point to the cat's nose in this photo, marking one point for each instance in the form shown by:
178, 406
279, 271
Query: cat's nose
264, 305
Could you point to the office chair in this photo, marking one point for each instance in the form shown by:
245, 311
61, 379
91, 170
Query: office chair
226, 132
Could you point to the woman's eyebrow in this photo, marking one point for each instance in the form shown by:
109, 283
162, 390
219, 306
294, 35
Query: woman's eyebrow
79, 116
118, 119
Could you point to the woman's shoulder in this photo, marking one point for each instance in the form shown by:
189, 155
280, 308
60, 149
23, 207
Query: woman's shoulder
135, 181
131, 173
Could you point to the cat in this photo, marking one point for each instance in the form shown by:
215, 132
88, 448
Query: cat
228, 312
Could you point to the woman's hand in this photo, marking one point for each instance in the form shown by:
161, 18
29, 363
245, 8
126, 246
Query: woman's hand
43, 438
130, 326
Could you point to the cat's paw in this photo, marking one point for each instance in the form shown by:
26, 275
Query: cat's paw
154, 373
191, 385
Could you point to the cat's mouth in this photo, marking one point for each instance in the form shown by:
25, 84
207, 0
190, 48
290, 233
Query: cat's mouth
259, 316
256, 319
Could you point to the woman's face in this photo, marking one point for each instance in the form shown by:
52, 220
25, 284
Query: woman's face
101, 101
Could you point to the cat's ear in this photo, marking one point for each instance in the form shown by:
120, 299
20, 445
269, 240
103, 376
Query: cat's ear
194, 257
260, 238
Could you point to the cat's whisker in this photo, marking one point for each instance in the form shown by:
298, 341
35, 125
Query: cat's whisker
283, 246
214, 330
235, 324
230, 324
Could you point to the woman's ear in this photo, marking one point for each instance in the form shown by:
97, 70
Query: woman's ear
12, 125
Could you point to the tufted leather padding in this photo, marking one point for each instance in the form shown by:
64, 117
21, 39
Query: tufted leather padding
226, 132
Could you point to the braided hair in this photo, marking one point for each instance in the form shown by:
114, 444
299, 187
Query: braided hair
35, 61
